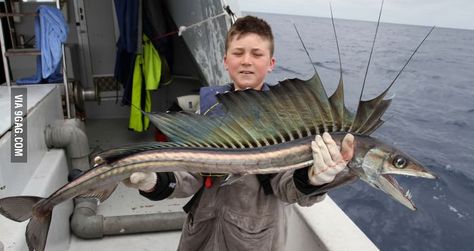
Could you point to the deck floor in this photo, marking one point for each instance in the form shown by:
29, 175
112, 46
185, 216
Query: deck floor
165, 241
126, 201
105, 133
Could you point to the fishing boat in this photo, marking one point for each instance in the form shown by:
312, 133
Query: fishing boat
49, 130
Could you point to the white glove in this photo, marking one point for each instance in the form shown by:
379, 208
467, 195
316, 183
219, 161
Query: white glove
140, 180
328, 159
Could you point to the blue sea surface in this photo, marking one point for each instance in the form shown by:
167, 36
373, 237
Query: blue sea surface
431, 118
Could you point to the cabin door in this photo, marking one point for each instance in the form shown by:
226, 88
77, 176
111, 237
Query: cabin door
96, 34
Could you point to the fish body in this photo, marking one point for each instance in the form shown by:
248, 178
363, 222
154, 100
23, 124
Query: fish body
373, 161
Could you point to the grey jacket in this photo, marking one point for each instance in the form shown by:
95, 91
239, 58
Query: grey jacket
239, 216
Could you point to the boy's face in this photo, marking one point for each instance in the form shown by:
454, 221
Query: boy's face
248, 60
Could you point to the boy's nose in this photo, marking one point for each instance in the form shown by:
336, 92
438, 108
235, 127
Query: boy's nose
246, 59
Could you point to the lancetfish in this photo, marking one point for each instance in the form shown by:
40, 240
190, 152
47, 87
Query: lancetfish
261, 132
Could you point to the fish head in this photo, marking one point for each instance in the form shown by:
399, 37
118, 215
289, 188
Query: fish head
379, 161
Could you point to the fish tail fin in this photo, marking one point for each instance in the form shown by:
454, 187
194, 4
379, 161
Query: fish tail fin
37, 231
18, 208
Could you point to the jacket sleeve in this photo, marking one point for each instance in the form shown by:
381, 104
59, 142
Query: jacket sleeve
174, 185
294, 187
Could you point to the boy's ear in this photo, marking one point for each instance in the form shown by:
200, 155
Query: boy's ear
272, 64
225, 63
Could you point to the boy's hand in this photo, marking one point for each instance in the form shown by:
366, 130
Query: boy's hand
328, 159
140, 180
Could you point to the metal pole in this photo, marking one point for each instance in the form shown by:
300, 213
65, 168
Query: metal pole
4, 57
66, 88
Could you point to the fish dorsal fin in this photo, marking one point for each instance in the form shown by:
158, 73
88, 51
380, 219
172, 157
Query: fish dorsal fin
343, 118
250, 120
369, 113
290, 110
322, 101
199, 131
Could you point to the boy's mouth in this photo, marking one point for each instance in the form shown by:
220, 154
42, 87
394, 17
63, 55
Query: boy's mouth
246, 72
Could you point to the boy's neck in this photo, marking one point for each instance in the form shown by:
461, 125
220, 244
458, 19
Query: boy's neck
257, 88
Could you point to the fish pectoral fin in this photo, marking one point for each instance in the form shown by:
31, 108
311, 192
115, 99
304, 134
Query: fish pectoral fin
18, 208
101, 194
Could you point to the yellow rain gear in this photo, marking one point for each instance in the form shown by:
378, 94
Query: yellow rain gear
148, 68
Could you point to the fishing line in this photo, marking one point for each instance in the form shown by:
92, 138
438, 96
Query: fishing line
183, 28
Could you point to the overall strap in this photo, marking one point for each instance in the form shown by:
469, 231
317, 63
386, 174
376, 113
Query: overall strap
193, 201
265, 182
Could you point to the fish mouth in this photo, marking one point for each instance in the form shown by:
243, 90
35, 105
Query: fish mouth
389, 185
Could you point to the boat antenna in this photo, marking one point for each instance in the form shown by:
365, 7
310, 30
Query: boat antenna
371, 51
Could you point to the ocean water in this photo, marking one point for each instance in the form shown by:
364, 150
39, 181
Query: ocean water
431, 118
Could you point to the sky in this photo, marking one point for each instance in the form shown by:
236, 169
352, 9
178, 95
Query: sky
441, 13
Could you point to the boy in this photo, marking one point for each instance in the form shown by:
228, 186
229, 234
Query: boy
249, 214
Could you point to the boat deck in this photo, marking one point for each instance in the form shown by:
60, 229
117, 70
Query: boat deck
106, 133
126, 201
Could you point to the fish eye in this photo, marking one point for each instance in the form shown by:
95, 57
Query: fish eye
399, 162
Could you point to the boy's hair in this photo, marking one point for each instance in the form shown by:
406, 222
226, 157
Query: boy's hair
250, 24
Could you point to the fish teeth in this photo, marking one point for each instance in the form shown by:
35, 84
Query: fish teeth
408, 194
